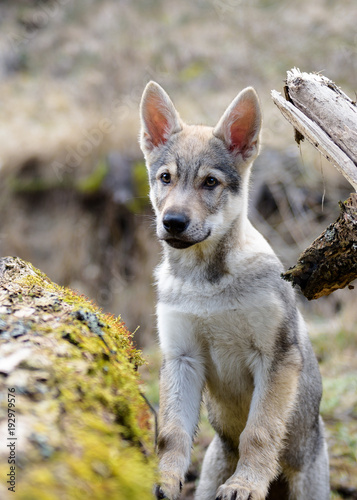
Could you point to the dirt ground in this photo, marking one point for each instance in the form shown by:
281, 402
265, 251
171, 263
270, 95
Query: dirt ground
73, 194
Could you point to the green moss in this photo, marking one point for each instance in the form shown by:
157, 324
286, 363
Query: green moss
193, 70
35, 185
90, 434
93, 182
141, 200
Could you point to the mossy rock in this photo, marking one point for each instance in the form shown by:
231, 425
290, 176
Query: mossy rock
81, 424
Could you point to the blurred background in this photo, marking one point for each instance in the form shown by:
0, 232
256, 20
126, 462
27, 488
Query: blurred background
73, 185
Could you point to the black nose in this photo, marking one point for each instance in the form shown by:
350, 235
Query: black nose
175, 223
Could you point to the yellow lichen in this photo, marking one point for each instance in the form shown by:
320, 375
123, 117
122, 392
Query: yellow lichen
87, 429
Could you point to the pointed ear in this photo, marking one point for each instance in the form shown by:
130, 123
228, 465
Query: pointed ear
159, 118
239, 126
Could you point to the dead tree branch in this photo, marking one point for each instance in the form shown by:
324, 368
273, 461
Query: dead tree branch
321, 112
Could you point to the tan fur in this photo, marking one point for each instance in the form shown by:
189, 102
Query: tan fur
268, 423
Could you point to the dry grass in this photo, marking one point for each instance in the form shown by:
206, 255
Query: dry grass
66, 65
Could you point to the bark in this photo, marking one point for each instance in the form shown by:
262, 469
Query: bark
324, 103
321, 112
330, 262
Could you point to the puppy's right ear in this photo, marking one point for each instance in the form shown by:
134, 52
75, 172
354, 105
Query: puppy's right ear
159, 118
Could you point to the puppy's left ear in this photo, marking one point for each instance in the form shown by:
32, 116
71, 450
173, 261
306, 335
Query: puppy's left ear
240, 125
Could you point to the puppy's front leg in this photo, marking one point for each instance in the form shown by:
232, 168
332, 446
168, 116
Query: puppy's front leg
262, 440
181, 384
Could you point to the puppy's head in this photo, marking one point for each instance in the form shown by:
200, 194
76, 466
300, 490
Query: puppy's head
198, 175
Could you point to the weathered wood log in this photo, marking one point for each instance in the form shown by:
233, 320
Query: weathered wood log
330, 262
321, 112
72, 418
324, 103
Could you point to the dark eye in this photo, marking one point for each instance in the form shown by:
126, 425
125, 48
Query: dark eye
211, 182
165, 178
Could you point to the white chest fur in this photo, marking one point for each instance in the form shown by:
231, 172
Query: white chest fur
228, 331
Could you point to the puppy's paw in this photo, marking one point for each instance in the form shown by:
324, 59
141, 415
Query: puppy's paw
169, 488
159, 494
236, 489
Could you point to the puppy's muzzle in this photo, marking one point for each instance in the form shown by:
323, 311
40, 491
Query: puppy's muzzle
175, 224
179, 232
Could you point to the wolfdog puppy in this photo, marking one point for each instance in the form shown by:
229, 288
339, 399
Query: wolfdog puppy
229, 329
